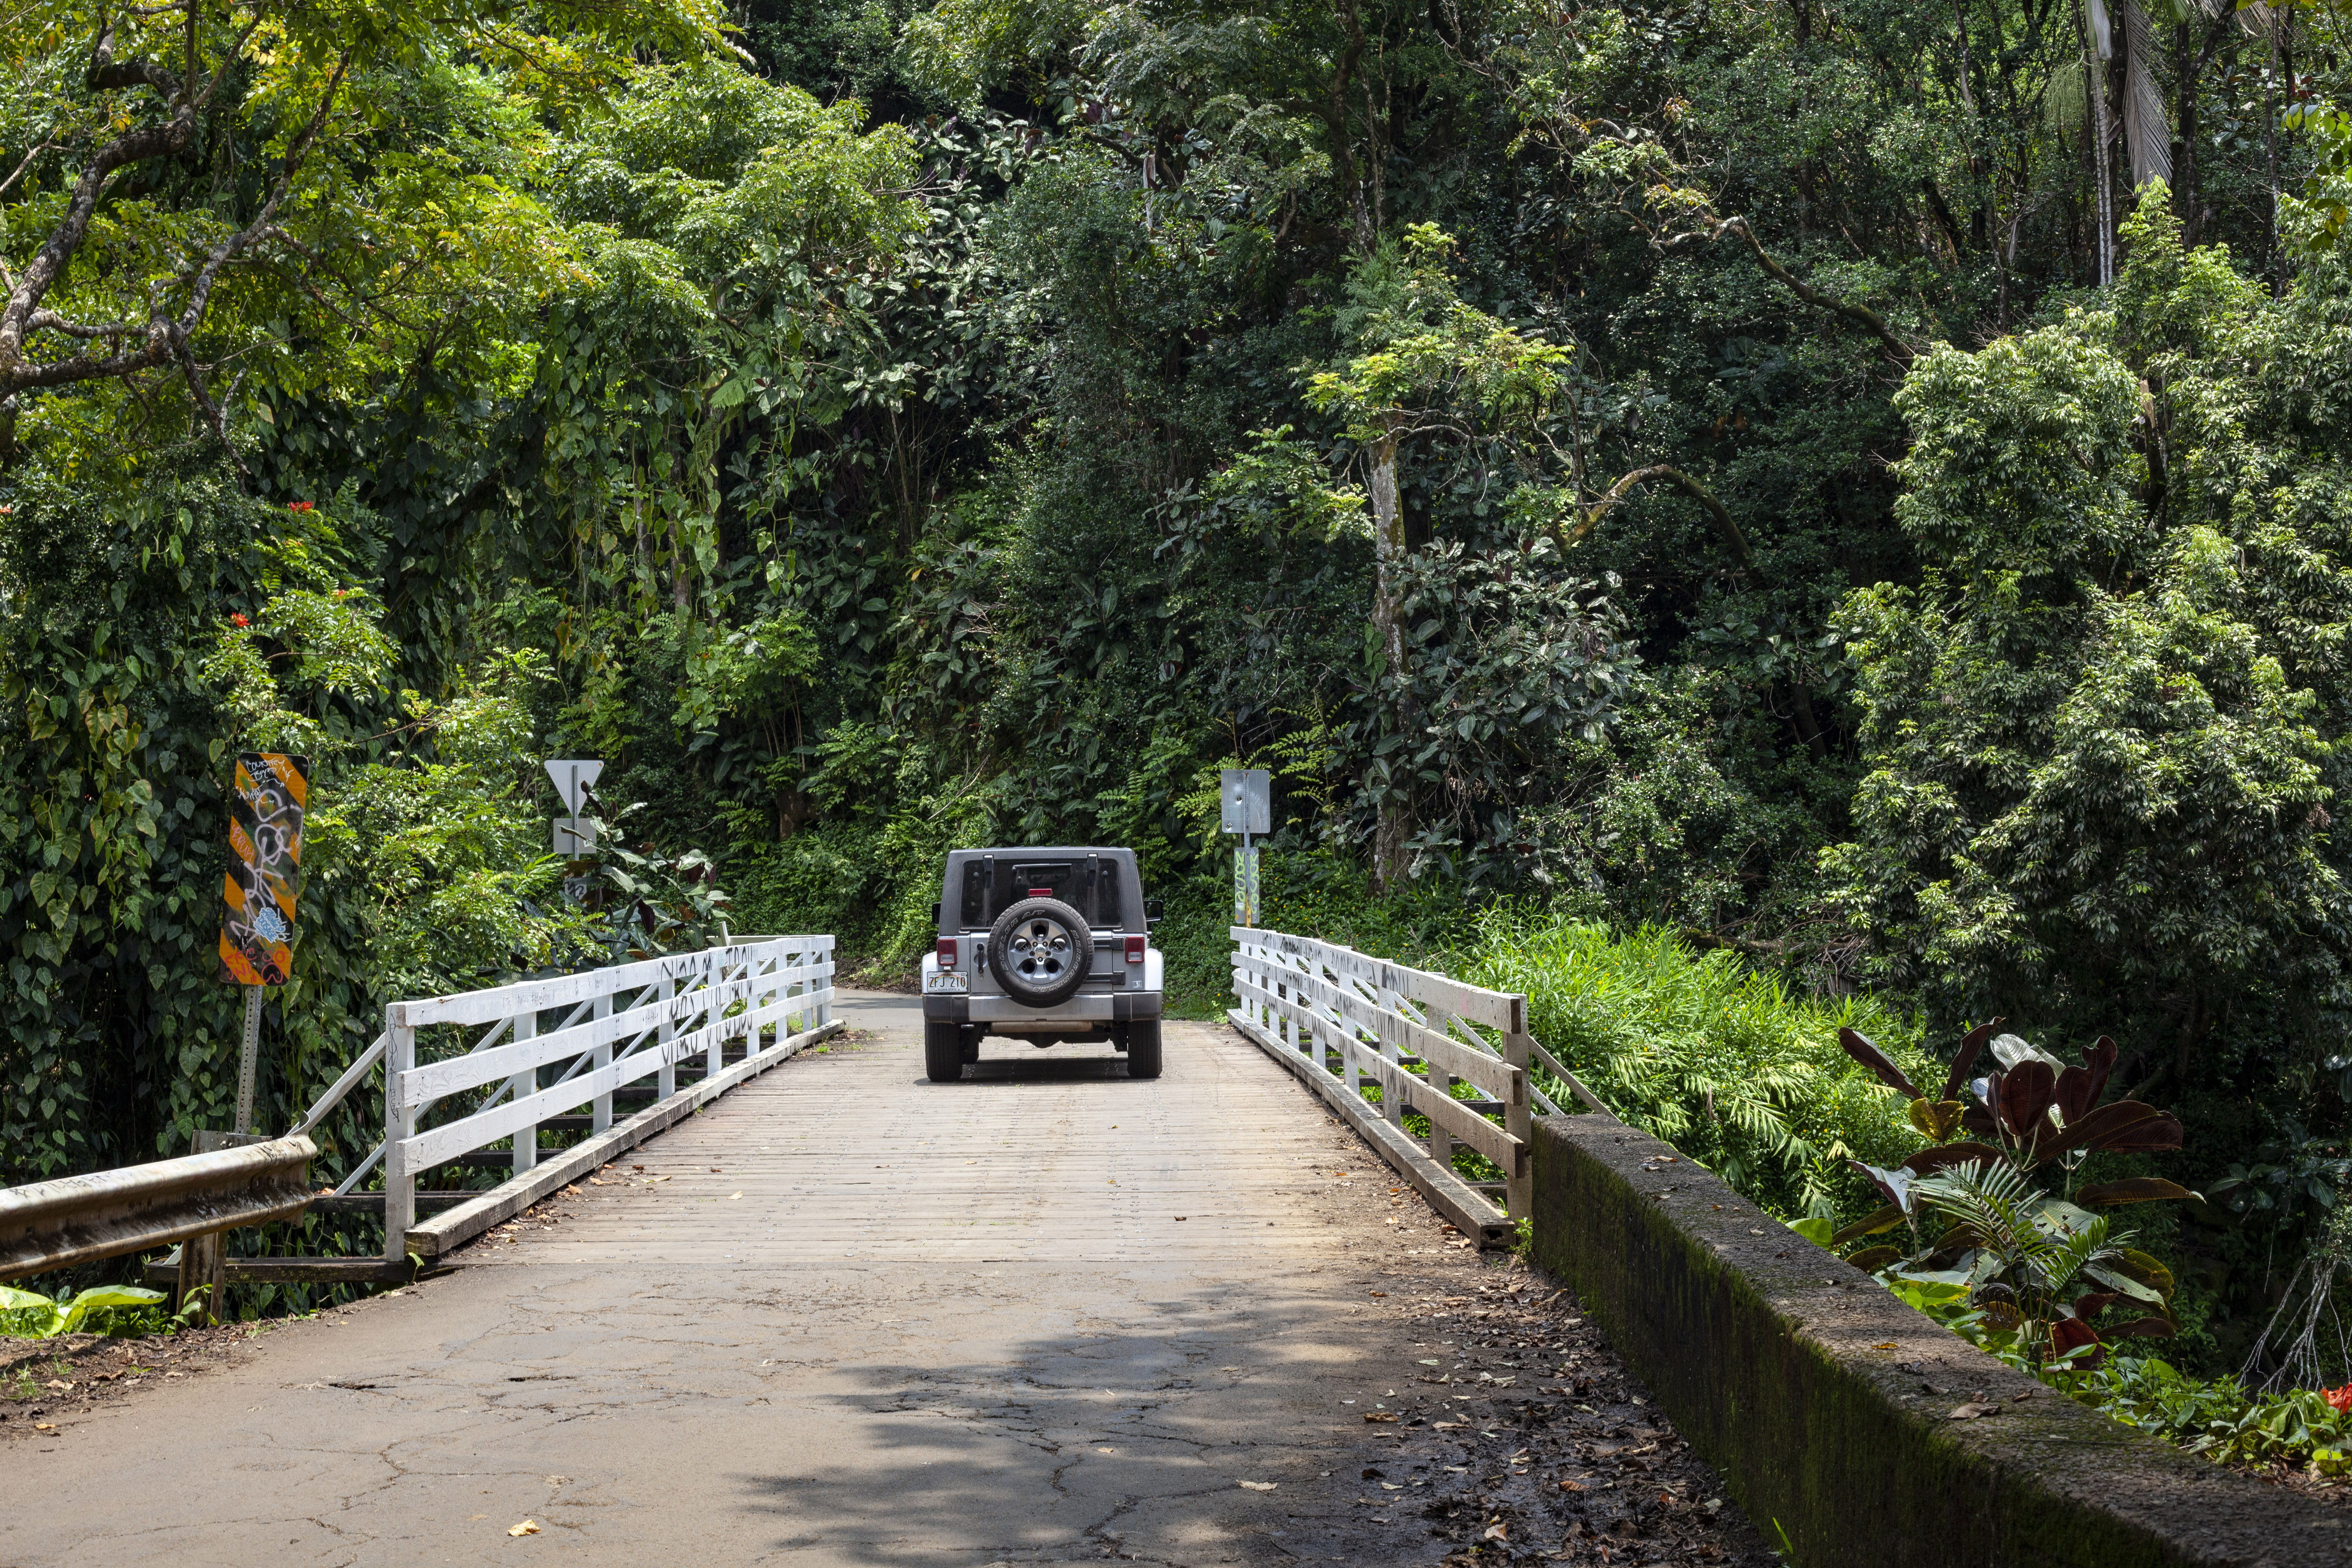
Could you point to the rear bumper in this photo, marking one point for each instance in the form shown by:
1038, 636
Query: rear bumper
1098, 1007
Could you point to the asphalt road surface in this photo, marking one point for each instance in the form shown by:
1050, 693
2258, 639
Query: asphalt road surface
846, 1316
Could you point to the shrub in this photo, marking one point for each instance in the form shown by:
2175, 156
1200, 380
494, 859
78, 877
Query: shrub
1719, 1059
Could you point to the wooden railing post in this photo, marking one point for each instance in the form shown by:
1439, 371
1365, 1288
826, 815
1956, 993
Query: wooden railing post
1352, 1034
762, 972
714, 976
1392, 1104
1519, 1116
602, 1057
523, 1086
666, 1076
1440, 1086
204, 1266
399, 1126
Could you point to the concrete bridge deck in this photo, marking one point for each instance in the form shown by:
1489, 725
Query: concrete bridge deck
844, 1316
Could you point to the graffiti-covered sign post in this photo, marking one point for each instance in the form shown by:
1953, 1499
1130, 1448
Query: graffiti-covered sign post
265, 878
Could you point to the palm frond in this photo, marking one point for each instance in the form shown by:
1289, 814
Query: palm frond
2075, 1251
2147, 133
1994, 1202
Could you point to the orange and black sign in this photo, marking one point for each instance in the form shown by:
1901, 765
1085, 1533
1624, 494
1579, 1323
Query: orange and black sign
265, 830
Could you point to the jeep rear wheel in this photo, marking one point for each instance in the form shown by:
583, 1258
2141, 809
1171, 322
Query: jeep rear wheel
1143, 1048
942, 1050
1040, 951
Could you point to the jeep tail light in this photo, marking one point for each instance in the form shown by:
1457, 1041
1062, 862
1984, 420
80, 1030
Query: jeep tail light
947, 952
1041, 892
1135, 950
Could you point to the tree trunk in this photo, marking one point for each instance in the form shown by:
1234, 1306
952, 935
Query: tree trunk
2188, 199
2271, 261
2103, 179
1387, 619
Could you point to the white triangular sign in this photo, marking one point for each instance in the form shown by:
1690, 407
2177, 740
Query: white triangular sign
573, 780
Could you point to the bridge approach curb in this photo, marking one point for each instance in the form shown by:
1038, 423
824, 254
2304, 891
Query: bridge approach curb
1827, 1404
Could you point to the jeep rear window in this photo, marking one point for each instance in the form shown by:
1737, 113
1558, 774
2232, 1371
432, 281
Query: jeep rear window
1090, 886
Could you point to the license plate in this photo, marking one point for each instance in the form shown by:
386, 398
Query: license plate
950, 981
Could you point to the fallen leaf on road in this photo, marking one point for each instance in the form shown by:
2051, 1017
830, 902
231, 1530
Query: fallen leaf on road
1497, 1532
45, 1426
1429, 1364
1259, 1486
1889, 1345
1379, 1415
528, 1527
733, 1197
1972, 1410
1391, 1486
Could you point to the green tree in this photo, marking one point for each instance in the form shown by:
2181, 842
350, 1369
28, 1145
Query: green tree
2105, 732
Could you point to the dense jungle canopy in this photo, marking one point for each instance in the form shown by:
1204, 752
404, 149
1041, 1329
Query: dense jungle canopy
1864, 486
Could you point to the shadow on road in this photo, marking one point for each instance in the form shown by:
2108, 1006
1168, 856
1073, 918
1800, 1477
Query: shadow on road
1003, 1071
1134, 1440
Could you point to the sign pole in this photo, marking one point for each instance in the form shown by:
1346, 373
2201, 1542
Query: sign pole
1247, 808
1242, 884
249, 1059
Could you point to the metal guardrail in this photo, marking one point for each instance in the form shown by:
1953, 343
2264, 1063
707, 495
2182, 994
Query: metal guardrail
1345, 1022
766, 997
76, 1219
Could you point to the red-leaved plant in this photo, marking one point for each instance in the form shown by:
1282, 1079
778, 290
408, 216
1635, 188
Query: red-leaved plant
1978, 1200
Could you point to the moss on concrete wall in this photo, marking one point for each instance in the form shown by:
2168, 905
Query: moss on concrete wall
1827, 1404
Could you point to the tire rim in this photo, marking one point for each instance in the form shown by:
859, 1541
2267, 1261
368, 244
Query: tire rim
1041, 951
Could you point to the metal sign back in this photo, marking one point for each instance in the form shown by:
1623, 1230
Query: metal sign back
573, 778
1247, 797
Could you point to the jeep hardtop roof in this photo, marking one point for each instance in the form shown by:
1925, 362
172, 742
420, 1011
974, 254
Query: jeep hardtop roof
1099, 882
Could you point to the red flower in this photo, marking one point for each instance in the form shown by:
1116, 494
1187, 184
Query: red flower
298, 506
2339, 1399
238, 621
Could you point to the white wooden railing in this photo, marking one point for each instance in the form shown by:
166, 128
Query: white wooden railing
556, 1045
1345, 1022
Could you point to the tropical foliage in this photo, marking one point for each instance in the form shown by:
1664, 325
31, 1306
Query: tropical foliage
1740, 1069
1743, 521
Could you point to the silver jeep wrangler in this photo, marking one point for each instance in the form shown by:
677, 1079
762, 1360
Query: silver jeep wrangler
1045, 946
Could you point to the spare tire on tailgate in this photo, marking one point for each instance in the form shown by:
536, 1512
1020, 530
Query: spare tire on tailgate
1040, 951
